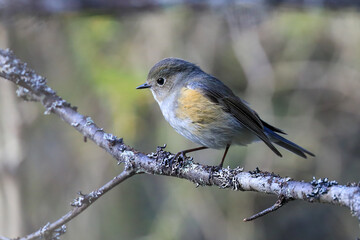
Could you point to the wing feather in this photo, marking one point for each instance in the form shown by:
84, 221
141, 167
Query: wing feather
235, 106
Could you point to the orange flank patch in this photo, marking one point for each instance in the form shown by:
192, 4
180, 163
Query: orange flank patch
198, 108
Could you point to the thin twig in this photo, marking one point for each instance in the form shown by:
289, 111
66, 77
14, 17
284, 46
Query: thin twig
55, 229
278, 204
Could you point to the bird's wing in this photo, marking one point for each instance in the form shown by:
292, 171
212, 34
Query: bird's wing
222, 95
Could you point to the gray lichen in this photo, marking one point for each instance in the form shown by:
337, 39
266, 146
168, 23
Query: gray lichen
16, 70
89, 121
56, 104
320, 186
79, 201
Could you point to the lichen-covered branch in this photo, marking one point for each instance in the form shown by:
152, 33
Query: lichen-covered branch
33, 87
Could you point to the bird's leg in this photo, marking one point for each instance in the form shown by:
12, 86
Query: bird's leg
217, 168
223, 158
182, 153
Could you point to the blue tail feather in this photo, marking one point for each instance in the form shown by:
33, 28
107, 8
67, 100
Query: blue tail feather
283, 142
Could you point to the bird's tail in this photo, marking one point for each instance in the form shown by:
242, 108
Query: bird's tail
283, 142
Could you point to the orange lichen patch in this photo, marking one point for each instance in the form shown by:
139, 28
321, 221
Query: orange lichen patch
199, 109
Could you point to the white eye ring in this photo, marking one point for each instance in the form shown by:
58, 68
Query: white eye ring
160, 81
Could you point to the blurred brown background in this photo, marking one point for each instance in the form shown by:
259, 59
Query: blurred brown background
299, 69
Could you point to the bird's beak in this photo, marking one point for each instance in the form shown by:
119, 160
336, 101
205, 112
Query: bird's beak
145, 85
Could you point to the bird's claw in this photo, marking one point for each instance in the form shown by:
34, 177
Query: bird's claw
214, 169
176, 158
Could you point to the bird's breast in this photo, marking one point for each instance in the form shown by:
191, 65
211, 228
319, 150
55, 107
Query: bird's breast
194, 106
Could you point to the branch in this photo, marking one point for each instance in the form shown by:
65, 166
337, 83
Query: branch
55, 229
33, 87
278, 204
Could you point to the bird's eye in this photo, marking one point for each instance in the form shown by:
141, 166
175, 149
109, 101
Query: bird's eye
160, 81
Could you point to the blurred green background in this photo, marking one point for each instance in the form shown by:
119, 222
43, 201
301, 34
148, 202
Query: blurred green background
299, 69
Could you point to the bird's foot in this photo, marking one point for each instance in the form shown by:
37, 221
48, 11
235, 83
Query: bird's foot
177, 157
214, 169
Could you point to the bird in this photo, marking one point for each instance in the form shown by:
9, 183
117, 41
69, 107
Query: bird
203, 109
